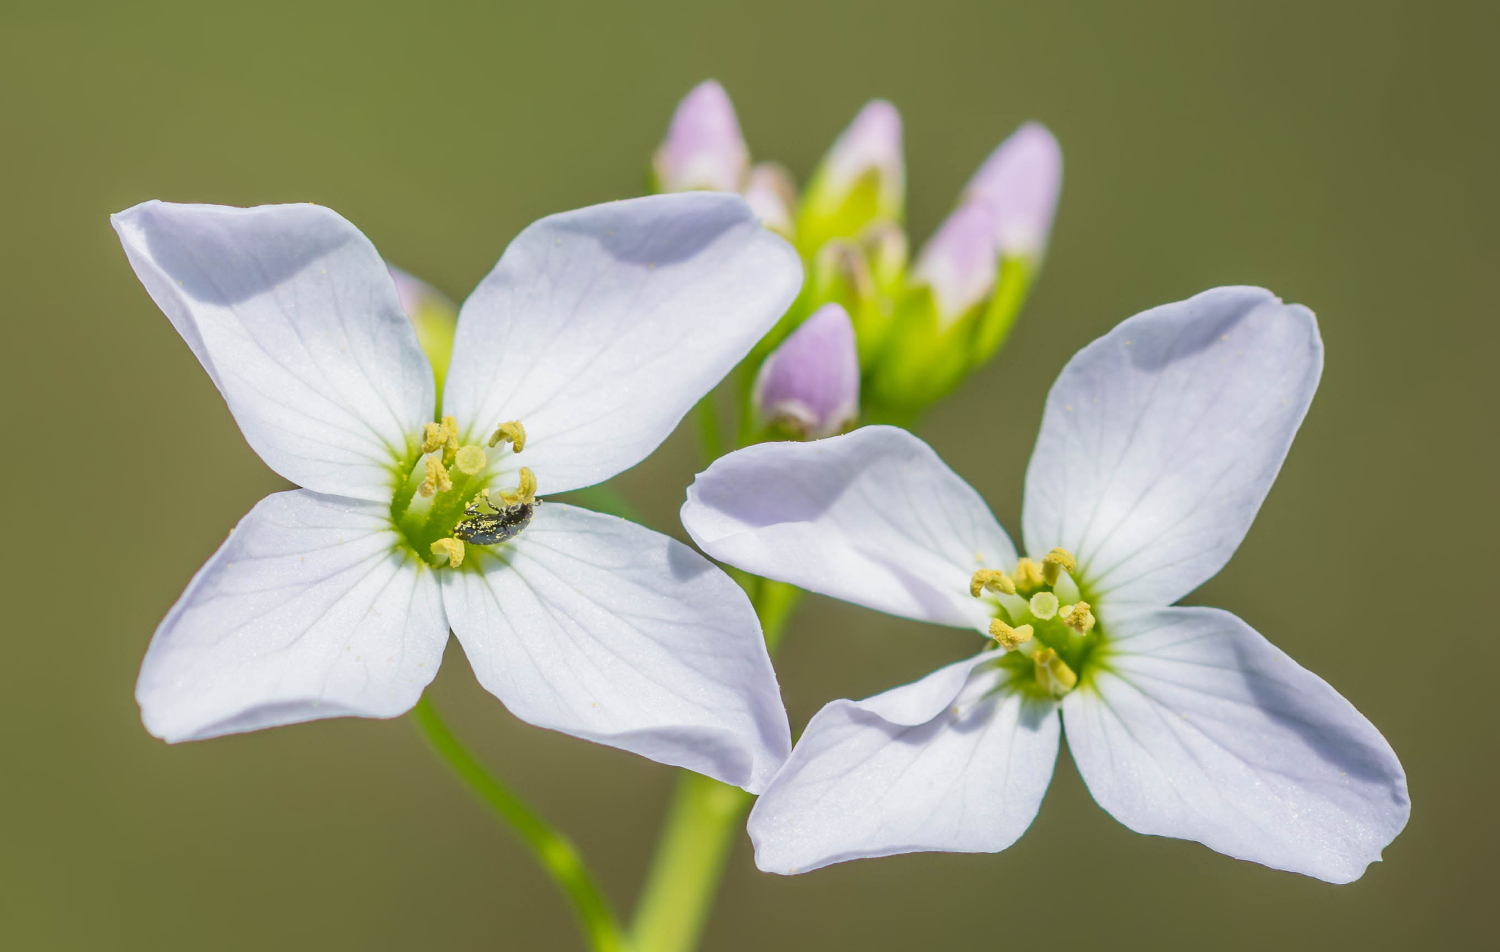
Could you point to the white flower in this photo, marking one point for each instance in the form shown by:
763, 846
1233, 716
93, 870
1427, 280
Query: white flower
1160, 441
576, 356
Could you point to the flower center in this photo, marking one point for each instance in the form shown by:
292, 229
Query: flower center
1048, 631
443, 503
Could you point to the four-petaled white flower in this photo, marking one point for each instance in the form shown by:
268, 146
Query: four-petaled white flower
580, 352
1159, 442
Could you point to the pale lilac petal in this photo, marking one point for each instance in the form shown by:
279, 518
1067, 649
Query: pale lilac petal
1198, 728
294, 316
872, 517
307, 611
1021, 179
812, 380
600, 328
704, 148
1161, 439
599, 628
968, 779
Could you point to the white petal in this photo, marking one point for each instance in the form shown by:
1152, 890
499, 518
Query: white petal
1162, 437
600, 328
599, 628
305, 612
873, 517
968, 779
1201, 729
295, 317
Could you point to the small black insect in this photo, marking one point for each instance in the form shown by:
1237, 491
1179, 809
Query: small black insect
493, 528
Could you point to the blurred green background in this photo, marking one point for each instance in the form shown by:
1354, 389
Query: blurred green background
1343, 155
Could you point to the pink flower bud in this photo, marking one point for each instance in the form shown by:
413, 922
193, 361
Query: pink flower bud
862, 180
959, 262
771, 193
703, 148
811, 382
1021, 179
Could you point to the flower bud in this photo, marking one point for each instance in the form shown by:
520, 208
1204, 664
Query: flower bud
959, 261
771, 194
810, 384
433, 315
861, 180
703, 148
1021, 179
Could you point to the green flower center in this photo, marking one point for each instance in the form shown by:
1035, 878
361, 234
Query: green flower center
1045, 623
441, 503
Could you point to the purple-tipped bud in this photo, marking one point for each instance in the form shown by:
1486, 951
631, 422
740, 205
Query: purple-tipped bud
871, 143
861, 180
771, 193
703, 148
1021, 179
958, 262
810, 384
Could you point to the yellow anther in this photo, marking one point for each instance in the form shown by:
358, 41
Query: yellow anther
1057, 559
1007, 637
437, 480
1028, 577
512, 431
992, 579
1044, 605
1077, 617
434, 437
526, 492
1053, 673
450, 445
449, 550
470, 460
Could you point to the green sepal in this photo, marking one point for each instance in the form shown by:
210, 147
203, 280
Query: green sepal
1011, 287
924, 357
826, 214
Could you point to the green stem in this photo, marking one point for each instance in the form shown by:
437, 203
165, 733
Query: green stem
701, 825
709, 434
553, 850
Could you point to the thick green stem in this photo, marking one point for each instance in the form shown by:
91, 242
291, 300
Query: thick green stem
553, 850
701, 824
689, 862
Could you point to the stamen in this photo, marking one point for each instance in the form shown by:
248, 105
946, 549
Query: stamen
1057, 559
512, 431
1028, 576
1044, 605
470, 460
1053, 673
1007, 637
992, 579
1077, 617
450, 445
434, 437
449, 550
526, 492
437, 480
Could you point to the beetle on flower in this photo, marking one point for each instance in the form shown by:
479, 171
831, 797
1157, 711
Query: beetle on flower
572, 361
1159, 442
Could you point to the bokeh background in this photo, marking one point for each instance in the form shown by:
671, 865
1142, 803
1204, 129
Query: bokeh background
1342, 154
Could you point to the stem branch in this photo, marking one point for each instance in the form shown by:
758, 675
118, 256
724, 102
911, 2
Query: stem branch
553, 850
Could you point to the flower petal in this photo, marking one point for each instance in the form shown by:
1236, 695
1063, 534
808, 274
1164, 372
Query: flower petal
873, 517
969, 779
1162, 437
600, 628
600, 328
305, 612
1199, 728
295, 317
